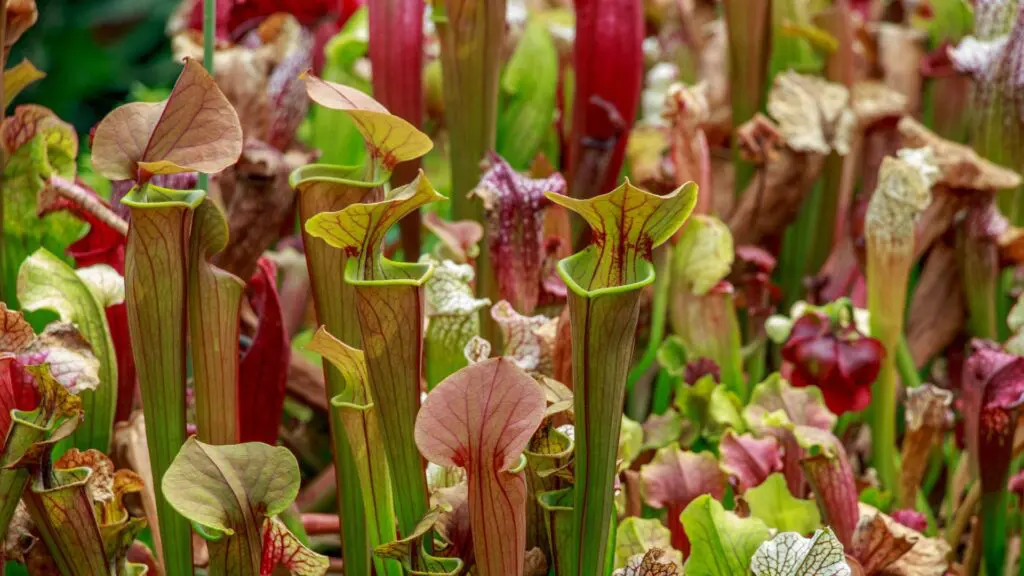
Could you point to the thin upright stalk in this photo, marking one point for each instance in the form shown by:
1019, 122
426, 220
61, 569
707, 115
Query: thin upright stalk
3, 157
209, 46
902, 192
979, 268
472, 36
905, 366
396, 53
749, 26
659, 314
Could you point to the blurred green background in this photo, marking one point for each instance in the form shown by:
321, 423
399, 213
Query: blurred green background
97, 54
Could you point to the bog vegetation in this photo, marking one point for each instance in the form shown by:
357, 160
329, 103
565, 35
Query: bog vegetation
523, 287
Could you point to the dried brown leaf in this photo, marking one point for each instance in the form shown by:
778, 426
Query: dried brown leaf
874, 101
813, 114
960, 167
937, 310
928, 415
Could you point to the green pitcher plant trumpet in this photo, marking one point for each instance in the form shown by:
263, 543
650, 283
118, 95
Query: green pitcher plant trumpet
604, 282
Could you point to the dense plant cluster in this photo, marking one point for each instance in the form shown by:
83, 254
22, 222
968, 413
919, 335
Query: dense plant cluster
523, 287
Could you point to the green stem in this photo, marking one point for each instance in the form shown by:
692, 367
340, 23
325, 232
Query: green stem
890, 257
825, 213
905, 365
3, 158
994, 508
600, 361
883, 429
922, 506
472, 37
797, 243
209, 46
757, 363
214, 304
980, 280
391, 317
749, 28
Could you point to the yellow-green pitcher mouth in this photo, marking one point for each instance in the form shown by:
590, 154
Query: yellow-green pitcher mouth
568, 269
391, 273
347, 175
152, 196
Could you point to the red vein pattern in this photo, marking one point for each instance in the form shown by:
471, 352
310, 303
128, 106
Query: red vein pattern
603, 336
391, 321
334, 301
282, 548
214, 304
66, 522
155, 276
482, 418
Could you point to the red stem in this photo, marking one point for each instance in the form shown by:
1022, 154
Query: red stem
316, 524
608, 60
675, 526
396, 54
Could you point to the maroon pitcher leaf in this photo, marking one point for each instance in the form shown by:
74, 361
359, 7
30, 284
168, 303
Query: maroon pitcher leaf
674, 479
748, 459
264, 367
514, 205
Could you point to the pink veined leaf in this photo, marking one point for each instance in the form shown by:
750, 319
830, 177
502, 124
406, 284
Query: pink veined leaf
69, 355
514, 205
674, 479
195, 129
282, 548
481, 418
458, 241
803, 407
389, 139
264, 368
522, 343
750, 460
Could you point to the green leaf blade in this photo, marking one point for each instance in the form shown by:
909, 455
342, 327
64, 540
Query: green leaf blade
773, 503
47, 282
723, 543
357, 414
